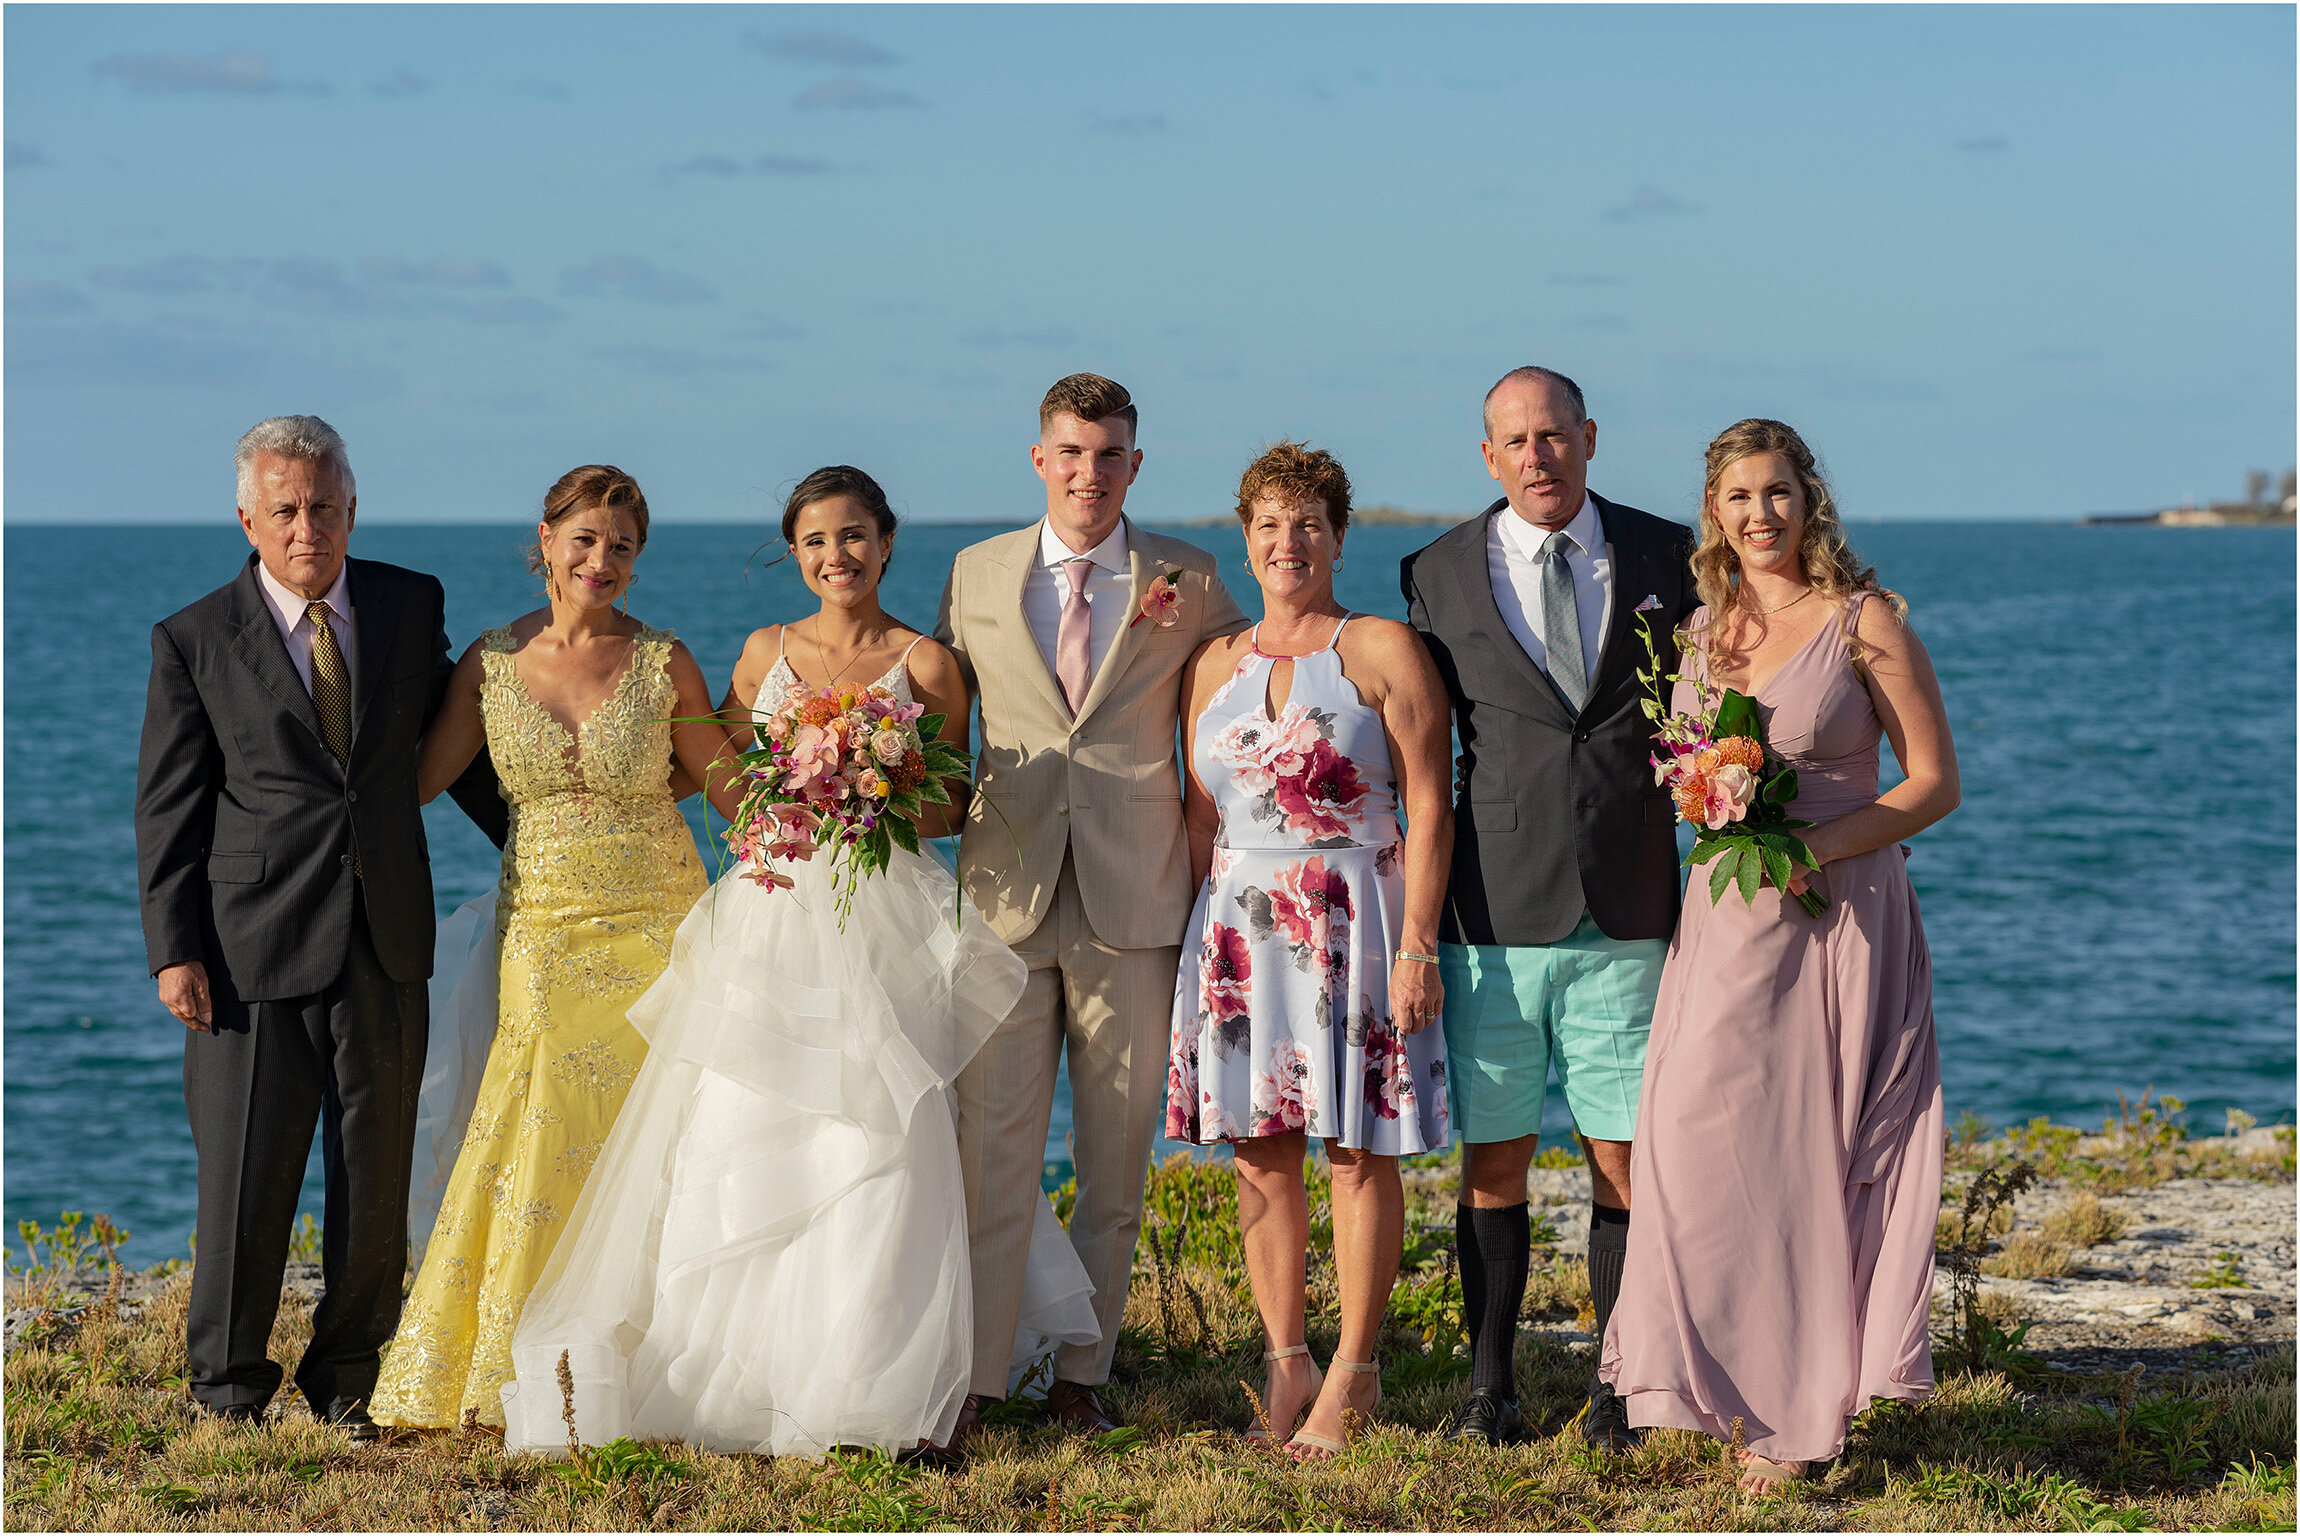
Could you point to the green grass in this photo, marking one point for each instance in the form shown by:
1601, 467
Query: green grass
99, 1435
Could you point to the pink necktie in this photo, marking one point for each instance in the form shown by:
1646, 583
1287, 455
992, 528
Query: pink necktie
1070, 641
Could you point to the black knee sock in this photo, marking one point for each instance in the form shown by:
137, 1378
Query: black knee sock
1494, 1248
1608, 1251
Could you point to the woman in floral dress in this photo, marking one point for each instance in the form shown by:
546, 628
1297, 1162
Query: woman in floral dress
1308, 980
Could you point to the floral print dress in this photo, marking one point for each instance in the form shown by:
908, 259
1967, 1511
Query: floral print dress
1281, 1010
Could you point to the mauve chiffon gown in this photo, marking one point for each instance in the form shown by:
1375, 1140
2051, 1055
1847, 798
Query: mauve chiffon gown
1787, 1166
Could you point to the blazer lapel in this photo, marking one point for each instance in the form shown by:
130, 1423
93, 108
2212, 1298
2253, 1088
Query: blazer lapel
1010, 595
1141, 573
374, 625
261, 650
1632, 581
1475, 573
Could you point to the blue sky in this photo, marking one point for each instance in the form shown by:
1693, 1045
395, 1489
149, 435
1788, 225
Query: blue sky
2027, 261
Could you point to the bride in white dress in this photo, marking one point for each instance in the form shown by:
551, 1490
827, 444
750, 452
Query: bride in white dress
770, 1254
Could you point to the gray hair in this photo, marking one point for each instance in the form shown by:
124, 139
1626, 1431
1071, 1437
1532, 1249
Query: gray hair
291, 437
1528, 374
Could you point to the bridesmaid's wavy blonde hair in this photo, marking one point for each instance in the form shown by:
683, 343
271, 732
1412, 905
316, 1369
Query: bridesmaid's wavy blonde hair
1835, 572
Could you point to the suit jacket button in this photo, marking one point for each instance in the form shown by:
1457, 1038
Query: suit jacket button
347, 861
352, 795
1580, 735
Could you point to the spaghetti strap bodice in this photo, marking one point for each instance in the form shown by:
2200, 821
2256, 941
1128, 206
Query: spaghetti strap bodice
782, 681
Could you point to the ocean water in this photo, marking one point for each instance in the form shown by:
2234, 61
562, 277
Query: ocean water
2112, 907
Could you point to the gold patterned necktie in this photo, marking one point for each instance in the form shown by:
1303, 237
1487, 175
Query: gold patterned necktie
330, 684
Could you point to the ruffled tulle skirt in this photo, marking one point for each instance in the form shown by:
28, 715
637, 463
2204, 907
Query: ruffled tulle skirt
771, 1252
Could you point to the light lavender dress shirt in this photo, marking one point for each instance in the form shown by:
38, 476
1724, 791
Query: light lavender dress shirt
288, 605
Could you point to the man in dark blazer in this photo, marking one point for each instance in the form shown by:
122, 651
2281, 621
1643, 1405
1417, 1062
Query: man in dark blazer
288, 918
1564, 889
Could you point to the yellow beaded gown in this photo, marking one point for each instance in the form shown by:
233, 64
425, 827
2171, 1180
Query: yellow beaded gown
597, 874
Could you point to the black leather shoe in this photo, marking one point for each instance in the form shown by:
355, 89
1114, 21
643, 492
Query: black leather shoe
231, 1413
1489, 1418
1606, 1425
352, 1418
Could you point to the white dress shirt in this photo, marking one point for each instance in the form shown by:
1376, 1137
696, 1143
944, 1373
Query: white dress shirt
1513, 564
1047, 588
288, 605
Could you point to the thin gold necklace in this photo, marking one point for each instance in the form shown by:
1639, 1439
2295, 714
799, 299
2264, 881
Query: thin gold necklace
860, 651
1766, 613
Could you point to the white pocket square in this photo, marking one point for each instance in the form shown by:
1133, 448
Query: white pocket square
1651, 603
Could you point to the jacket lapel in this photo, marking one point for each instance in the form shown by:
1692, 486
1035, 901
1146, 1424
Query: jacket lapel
1475, 574
1632, 581
1141, 572
374, 625
261, 650
1015, 584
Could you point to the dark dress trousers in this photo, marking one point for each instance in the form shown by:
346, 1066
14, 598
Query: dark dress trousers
304, 886
1561, 814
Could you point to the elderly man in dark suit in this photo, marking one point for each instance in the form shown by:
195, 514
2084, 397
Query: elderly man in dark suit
288, 918
1564, 889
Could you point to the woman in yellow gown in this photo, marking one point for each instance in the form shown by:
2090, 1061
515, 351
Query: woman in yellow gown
575, 703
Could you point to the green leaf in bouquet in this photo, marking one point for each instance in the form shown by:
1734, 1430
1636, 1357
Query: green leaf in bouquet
1720, 877
931, 791
929, 727
1776, 863
1748, 869
905, 835
1797, 848
1737, 716
1707, 848
1782, 787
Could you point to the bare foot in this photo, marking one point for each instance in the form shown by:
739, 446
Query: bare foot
1758, 1475
1288, 1387
1345, 1391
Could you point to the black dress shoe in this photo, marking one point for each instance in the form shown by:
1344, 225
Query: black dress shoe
352, 1418
1489, 1418
233, 1413
1606, 1423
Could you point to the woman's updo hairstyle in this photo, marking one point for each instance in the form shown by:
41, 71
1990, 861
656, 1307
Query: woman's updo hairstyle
838, 480
584, 488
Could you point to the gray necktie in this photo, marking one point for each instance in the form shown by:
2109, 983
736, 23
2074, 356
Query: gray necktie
1561, 623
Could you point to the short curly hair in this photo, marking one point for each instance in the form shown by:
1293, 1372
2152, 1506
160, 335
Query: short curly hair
1294, 472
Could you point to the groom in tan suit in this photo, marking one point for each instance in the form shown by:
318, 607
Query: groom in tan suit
1074, 848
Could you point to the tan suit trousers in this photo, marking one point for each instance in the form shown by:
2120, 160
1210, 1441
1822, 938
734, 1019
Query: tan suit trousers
1112, 1008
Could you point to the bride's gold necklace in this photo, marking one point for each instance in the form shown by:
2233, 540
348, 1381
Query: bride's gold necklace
859, 652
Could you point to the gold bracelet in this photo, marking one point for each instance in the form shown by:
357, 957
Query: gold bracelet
1407, 954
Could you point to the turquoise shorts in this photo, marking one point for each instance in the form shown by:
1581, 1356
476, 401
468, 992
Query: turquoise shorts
1585, 1003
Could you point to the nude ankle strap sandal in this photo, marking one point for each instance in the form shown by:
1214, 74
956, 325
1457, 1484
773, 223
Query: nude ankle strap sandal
1255, 1431
1360, 1367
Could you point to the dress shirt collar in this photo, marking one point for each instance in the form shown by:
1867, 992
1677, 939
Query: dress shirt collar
1110, 554
288, 605
1524, 540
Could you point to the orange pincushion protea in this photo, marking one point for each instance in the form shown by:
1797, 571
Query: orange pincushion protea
1742, 752
815, 710
908, 774
1692, 796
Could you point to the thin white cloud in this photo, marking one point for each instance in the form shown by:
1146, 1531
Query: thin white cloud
401, 82
634, 277
49, 355
170, 274
30, 298
24, 156
1650, 202
235, 72
677, 362
821, 48
847, 94
438, 272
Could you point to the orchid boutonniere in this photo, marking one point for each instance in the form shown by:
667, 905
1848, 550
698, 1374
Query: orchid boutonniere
1162, 604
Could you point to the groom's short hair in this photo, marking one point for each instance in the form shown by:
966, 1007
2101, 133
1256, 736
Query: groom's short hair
1089, 397
1531, 371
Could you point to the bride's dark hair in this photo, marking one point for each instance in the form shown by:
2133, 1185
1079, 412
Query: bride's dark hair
838, 480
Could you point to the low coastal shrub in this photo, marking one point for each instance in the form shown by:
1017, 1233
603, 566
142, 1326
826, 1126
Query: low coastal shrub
2029, 1256
2083, 1222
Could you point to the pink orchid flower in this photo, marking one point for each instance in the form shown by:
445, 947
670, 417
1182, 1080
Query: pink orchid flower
1162, 604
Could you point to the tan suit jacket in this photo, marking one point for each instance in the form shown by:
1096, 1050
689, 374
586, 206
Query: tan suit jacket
1103, 784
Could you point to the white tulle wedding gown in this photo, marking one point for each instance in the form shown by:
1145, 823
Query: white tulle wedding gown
770, 1254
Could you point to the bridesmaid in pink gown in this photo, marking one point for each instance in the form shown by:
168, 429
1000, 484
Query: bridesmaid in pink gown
1787, 1166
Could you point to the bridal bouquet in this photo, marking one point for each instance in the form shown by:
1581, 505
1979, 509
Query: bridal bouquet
844, 771
1735, 793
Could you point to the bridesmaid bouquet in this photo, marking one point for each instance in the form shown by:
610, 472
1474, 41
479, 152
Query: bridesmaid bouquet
1735, 793
844, 771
